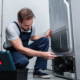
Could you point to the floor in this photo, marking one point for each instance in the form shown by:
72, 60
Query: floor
30, 76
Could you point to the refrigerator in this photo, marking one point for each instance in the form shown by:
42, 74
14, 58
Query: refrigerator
65, 37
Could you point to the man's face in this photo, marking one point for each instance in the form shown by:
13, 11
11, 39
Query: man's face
26, 24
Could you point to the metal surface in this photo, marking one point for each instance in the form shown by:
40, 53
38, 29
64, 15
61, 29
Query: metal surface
66, 12
60, 40
0, 21
60, 15
76, 32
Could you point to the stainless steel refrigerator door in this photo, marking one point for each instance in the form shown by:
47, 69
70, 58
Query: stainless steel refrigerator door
61, 25
75, 4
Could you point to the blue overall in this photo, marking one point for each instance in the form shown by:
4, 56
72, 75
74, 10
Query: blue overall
21, 60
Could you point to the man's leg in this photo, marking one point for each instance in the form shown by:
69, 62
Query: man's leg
20, 60
41, 44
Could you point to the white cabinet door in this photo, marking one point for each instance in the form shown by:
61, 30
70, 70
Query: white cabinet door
40, 9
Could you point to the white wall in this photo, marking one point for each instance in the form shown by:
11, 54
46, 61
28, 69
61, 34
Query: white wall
40, 9
0, 22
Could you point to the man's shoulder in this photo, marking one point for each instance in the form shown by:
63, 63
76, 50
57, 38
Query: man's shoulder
11, 26
12, 32
12, 29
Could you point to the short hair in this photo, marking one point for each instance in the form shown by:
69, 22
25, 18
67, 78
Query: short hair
25, 13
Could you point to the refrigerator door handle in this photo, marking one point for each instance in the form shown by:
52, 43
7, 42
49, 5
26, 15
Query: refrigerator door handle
69, 23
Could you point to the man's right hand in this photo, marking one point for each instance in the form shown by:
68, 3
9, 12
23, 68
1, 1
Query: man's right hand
48, 55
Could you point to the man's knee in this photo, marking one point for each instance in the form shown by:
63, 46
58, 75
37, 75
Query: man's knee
45, 39
22, 63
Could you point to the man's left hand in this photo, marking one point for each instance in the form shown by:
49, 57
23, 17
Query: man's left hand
48, 33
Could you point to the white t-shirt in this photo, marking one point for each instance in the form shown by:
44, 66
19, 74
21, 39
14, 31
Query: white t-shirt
12, 33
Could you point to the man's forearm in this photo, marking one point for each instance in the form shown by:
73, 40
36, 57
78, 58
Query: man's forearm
36, 37
30, 52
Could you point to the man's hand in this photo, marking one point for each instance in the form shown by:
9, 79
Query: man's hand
48, 55
48, 33
35, 37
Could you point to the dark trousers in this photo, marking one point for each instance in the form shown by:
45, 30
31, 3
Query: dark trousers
21, 60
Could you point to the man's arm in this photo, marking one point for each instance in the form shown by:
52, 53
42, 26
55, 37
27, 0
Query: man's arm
35, 37
17, 44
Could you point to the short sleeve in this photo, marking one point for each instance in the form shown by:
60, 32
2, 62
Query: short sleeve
11, 33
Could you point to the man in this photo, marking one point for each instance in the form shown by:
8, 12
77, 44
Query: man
18, 34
